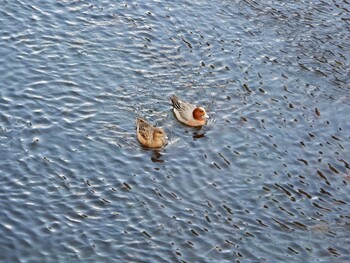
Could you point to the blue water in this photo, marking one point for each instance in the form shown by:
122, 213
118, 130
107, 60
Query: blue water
267, 180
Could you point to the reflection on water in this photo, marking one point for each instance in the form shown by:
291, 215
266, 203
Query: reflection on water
157, 157
266, 180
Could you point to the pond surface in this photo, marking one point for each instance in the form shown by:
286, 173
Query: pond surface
267, 180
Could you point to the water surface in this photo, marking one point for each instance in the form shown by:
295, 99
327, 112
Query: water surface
267, 179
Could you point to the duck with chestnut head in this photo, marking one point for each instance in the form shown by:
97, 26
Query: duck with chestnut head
188, 113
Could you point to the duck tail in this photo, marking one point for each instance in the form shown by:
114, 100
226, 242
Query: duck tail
175, 101
140, 121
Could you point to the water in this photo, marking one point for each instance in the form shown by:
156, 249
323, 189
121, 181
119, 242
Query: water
267, 180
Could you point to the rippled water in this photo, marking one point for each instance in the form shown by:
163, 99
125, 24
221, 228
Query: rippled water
267, 180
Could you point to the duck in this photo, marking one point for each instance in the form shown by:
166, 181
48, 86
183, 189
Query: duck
149, 135
188, 113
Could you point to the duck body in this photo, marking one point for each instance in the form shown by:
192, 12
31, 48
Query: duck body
148, 135
188, 113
